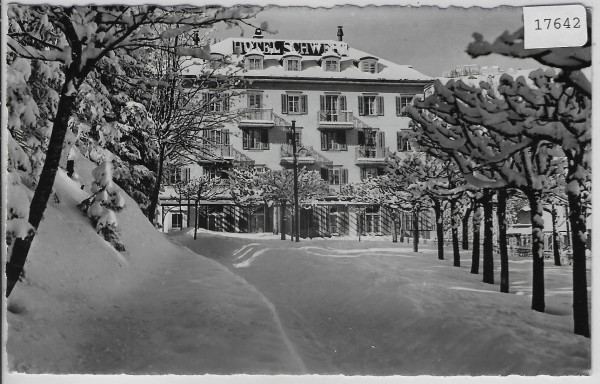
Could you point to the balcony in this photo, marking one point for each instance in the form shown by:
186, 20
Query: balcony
371, 156
223, 153
287, 155
337, 120
257, 117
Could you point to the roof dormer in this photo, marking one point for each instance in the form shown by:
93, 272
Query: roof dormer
291, 61
330, 61
368, 64
254, 60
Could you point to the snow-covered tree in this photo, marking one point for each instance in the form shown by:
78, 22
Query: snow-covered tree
102, 205
559, 110
277, 186
78, 38
464, 124
204, 188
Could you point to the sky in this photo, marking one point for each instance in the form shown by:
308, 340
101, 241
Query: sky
431, 39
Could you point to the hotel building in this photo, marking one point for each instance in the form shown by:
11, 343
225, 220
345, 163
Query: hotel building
347, 107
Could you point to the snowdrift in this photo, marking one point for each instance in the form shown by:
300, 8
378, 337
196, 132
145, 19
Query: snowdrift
83, 307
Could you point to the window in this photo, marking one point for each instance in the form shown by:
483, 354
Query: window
371, 138
370, 105
369, 66
216, 102
256, 138
177, 175
401, 102
255, 100
288, 138
216, 136
294, 103
372, 220
331, 66
403, 142
254, 63
176, 220
331, 106
293, 65
334, 140
366, 173
338, 176
215, 173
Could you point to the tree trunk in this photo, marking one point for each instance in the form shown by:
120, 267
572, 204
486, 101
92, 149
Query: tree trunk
402, 219
465, 228
156, 191
555, 242
395, 229
196, 218
415, 229
42, 193
501, 217
282, 219
488, 241
454, 222
577, 220
439, 227
537, 250
476, 239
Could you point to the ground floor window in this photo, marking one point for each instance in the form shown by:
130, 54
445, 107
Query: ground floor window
366, 173
176, 220
372, 220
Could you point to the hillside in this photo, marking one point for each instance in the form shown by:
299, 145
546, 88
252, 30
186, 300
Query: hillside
165, 308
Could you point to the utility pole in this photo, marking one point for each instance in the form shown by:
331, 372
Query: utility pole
296, 211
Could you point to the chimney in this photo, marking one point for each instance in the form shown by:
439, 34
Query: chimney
258, 34
340, 33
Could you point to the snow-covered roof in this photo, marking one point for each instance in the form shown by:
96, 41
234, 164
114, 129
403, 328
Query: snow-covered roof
272, 67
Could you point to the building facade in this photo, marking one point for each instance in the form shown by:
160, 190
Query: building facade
347, 108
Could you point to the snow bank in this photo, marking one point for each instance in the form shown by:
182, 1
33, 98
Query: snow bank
83, 307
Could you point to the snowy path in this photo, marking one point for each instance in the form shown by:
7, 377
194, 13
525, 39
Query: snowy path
386, 310
169, 325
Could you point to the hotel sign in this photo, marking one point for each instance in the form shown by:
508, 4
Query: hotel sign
280, 47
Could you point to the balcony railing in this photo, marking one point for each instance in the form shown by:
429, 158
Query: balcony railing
340, 119
257, 117
215, 153
304, 155
371, 155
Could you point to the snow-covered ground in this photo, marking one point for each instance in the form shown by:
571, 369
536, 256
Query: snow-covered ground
380, 309
157, 308
260, 305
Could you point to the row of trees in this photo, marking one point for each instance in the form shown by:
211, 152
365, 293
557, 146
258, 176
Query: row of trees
527, 136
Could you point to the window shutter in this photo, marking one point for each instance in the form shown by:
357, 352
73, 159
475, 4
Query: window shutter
205, 99
303, 103
284, 103
341, 135
322, 102
399, 140
363, 173
225, 103
323, 141
361, 138
398, 105
324, 174
343, 106
330, 173
361, 106
379, 105
245, 139
264, 138
381, 139
344, 176
258, 100
187, 174
226, 136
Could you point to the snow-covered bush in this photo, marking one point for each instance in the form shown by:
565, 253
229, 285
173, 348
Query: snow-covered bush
17, 225
102, 205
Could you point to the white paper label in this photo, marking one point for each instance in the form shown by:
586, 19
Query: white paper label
555, 26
